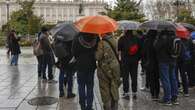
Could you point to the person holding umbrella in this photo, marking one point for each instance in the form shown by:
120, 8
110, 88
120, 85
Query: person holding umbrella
192, 47
129, 47
150, 64
83, 49
64, 35
184, 60
165, 47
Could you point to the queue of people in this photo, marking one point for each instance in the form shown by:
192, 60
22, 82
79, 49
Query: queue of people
165, 59
153, 49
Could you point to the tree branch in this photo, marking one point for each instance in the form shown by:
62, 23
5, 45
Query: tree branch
138, 3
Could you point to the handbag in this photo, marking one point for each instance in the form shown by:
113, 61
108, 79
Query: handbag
37, 49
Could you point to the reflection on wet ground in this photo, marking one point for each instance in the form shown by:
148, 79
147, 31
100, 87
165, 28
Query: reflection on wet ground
20, 84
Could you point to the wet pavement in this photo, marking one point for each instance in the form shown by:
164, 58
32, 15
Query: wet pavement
20, 84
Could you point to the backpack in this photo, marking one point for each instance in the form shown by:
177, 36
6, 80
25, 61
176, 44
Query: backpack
37, 50
186, 54
175, 47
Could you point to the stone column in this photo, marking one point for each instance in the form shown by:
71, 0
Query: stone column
45, 14
62, 13
56, 7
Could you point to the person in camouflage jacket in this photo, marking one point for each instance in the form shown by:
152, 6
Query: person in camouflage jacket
108, 72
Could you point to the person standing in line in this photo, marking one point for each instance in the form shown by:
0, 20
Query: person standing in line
84, 48
151, 64
48, 57
108, 72
192, 49
185, 66
66, 66
167, 48
129, 47
14, 48
39, 58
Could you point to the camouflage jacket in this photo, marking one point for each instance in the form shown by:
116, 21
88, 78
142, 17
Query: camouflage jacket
108, 69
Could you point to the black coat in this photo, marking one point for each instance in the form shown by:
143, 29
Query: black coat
123, 45
85, 57
162, 46
14, 45
150, 61
192, 48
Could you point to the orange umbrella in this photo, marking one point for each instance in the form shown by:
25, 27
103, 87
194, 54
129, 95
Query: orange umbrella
96, 24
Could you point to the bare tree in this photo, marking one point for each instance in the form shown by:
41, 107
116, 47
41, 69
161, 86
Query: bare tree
160, 9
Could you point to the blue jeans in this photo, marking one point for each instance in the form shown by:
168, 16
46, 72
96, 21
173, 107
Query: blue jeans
65, 77
14, 60
48, 62
169, 81
85, 87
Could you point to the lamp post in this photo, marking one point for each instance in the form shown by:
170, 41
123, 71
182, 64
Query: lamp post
7, 4
177, 8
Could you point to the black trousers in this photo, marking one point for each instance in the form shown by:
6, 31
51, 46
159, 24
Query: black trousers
130, 68
191, 73
182, 69
153, 81
40, 65
192, 79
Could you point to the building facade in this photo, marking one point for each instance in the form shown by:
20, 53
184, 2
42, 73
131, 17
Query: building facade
55, 11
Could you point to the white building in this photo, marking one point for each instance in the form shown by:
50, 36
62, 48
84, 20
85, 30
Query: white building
55, 11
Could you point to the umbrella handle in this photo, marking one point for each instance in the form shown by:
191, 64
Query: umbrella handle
100, 36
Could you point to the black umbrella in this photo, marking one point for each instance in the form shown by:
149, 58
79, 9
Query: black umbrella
158, 25
64, 31
188, 26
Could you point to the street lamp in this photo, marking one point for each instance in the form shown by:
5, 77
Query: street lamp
7, 4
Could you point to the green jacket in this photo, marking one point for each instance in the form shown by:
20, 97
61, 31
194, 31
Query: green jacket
108, 70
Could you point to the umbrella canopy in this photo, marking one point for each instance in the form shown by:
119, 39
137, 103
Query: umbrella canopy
64, 31
128, 25
158, 25
190, 27
96, 25
182, 32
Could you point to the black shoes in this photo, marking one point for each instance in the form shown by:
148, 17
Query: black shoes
69, 96
126, 96
72, 95
169, 103
61, 94
155, 98
134, 96
165, 103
